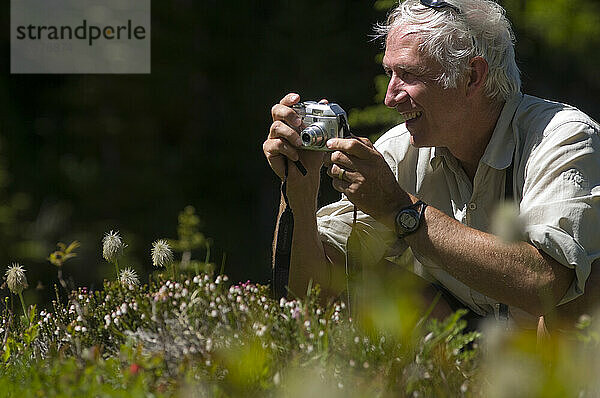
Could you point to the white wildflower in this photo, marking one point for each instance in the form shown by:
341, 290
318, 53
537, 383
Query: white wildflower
129, 277
15, 278
428, 337
111, 245
161, 253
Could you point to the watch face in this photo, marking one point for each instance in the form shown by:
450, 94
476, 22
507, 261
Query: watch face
408, 221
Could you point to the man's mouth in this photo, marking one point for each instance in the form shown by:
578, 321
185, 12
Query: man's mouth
411, 115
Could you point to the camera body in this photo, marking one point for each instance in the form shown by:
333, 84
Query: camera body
323, 121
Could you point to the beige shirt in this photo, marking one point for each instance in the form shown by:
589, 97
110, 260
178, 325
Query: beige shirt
556, 182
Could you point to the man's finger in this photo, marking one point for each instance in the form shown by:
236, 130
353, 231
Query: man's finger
286, 114
281, 130
365, 141
274, 148
342, 159
340, 185
290, 99
350, 146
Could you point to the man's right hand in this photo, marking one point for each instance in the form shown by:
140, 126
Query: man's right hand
284, 142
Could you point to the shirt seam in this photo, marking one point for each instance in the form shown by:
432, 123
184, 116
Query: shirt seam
564, 122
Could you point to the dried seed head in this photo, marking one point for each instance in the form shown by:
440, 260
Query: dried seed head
129, 277
111, 245
161, 253
15, 278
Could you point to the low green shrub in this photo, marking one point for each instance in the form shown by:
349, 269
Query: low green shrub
189, 332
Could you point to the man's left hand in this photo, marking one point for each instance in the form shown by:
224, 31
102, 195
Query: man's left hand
361, 173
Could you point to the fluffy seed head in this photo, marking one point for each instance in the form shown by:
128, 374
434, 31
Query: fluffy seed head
129, 277
161, 253
15, 278
111, 245
506, 223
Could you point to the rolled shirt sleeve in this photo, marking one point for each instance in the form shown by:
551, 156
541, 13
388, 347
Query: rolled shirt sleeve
335, 221
560, 203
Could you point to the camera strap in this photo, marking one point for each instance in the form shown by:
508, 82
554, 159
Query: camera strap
353, 266
283, 245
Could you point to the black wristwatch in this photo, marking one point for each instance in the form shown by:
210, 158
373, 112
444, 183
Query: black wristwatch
409, 218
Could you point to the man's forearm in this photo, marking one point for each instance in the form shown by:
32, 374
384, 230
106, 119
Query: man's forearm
308, 259
514, 273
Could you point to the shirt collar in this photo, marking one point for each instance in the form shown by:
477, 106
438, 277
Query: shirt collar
500, 149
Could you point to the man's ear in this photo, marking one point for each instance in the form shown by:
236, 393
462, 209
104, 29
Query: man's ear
477, 76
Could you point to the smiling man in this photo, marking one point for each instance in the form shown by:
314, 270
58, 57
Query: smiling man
470, 138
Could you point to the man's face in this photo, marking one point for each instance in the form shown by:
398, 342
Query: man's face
432, 113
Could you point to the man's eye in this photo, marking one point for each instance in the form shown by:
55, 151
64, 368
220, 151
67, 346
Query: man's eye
388, 72
407, 76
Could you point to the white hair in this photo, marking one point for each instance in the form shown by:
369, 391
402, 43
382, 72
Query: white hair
453, 39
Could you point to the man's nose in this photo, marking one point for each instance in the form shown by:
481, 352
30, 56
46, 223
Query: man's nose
395, 94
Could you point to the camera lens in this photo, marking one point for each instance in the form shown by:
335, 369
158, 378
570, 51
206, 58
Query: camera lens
314, 136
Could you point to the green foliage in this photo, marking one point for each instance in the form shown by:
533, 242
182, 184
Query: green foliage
233, 340
63, 253
196, 332
565, 25
384, 5
188, 231
189, 239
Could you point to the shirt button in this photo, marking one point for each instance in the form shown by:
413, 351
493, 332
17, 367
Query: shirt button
472, 206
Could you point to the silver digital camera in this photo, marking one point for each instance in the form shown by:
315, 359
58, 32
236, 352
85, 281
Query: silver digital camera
323, 121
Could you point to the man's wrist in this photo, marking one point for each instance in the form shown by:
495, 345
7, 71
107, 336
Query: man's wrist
409, 219
389, 219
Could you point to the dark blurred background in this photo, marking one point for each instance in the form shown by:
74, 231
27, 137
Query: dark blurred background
84, 154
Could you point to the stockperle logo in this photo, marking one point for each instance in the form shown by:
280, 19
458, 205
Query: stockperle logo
80, 36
